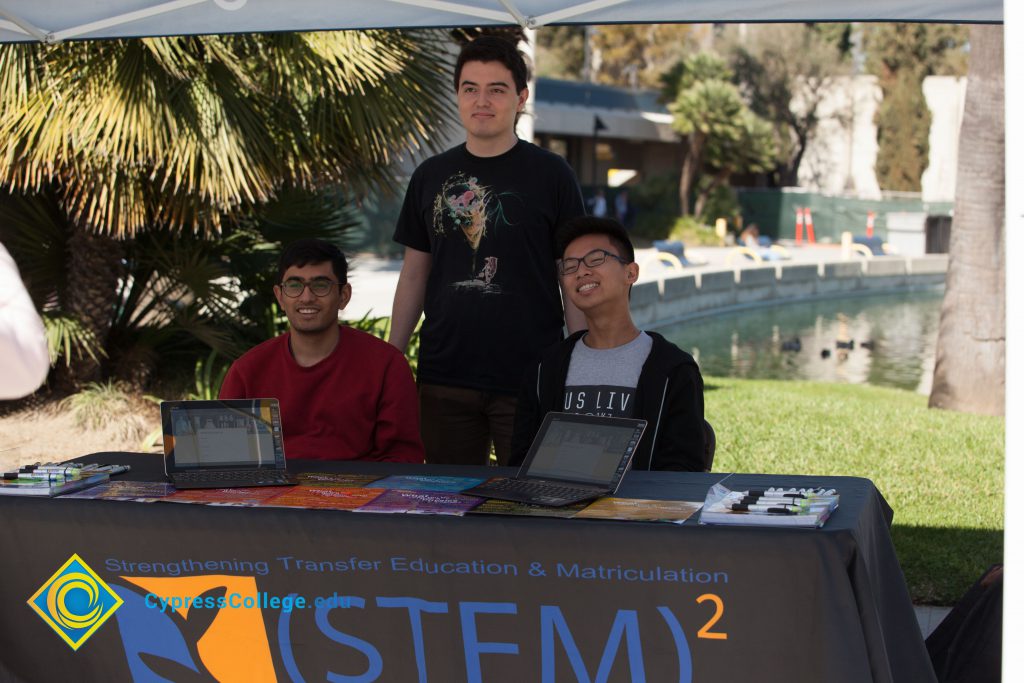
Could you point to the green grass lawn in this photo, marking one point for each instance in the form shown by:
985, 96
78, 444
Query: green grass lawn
942, 472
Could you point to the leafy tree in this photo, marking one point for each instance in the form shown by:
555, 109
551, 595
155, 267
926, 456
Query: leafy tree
902, 55
784, 72
180, 294
638, 54
560, 52
749, 147
624, 55
722, 135
904, 123
191, 134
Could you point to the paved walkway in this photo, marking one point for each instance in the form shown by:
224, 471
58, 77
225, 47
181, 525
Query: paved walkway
373, 279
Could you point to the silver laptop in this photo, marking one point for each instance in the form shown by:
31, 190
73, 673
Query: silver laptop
224, 444
573, 458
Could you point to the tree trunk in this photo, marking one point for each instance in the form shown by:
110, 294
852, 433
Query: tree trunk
702, 197
970, 356
789, 176
94, 265
688, 175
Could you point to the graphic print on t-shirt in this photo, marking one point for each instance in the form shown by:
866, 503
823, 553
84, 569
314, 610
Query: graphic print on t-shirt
601, 400
464, 206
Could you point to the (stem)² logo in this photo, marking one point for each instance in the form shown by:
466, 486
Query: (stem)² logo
75, 602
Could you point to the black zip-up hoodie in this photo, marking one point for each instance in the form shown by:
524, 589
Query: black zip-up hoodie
669, 395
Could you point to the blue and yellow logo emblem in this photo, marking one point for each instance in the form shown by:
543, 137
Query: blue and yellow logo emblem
75, 602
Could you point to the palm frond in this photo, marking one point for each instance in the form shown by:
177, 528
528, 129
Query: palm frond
183, 131
67, 338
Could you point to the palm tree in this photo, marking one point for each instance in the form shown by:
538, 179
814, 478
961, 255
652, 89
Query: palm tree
970, 358
192, 133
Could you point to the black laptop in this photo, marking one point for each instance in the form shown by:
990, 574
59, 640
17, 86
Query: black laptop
573, 458
224, 444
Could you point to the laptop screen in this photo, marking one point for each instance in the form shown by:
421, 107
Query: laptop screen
584, 448
237, 434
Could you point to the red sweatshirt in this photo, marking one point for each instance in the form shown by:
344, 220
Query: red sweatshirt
359, 403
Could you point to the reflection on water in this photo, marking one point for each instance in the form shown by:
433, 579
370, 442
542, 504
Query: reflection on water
893, 341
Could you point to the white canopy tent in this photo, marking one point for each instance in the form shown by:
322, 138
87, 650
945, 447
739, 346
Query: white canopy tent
57, 20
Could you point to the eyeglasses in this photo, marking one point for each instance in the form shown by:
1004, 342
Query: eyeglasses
320, 286
593, 259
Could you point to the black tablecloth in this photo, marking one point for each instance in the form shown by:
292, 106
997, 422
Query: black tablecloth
492, 598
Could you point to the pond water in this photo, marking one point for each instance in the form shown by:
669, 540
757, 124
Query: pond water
893, 338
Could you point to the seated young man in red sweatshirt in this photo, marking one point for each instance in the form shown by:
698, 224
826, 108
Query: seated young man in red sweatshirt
612, 368
344, 394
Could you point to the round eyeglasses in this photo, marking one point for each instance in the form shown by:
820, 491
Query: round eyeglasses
320, 286
592, 259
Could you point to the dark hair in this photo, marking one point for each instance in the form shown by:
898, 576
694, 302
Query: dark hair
308, 251
494, 49
592, 225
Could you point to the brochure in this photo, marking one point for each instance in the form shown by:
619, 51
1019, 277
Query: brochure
324, 498
788, 507
417, 482
135, 491
335, 479
50, 487
494, 506
243, 497
422, 503
639, 509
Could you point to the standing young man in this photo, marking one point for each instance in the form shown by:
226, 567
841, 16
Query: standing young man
612, 368
478, 227
344, 394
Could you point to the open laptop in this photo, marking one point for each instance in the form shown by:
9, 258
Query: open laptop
223, 444
572, 458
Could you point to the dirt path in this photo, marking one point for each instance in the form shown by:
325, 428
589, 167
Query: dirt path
49, 433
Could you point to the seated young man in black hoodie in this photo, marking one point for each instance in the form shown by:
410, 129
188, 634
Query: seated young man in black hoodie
612, 368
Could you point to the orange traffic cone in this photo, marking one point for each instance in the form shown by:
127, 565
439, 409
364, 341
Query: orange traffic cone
869, 229
810, 225
799, 224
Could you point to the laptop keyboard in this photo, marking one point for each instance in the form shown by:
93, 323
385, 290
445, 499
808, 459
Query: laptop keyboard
232, 478
538, 489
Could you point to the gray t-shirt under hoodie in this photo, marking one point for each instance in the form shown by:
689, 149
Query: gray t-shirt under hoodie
603, 381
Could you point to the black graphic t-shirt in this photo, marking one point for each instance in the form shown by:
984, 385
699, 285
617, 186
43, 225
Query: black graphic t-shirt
492, 301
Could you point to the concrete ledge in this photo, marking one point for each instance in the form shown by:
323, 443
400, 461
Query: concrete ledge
755, 284
716, 280
798, 272
702, 293
680, 285
644, 294
885, 267
761, 276
921, 265
843, 269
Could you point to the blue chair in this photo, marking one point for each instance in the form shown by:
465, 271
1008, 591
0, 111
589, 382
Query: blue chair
674, 247
872, 243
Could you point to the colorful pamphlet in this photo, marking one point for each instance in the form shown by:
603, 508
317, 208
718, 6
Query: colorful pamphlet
335, 479
134, 491
418, 482
639, 509
773, 506
324, 498
45, 486
244, 497
494, 506
422, 503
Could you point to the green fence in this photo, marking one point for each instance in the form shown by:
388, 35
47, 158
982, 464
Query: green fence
775, 211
